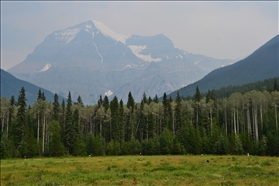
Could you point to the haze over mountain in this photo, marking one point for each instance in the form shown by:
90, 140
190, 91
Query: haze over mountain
90, 60
10, 85
260, 65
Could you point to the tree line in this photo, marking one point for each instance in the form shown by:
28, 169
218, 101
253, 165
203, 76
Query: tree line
237, 124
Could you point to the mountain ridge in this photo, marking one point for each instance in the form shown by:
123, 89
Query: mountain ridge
10, 85
262, 64
89, 63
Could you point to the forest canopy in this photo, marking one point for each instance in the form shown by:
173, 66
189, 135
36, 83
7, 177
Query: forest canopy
211, 123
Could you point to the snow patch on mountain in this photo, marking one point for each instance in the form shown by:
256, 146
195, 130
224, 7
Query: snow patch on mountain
109, 33
46, 67
138, 49
66, 35
108, 93
102, 59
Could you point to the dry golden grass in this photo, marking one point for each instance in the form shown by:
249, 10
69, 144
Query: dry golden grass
142, 170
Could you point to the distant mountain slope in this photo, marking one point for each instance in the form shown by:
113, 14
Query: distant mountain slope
260, 65
90, 60
11, 86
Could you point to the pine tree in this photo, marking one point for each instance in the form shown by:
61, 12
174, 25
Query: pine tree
43, 96
79, 101
156, 100
166, 111
100, 101
69, 130
144, 98
106, 103
56, 108
121, 122
39, 94
21, 119
177, 113
114, 119
197, 98
275, 85
131, 102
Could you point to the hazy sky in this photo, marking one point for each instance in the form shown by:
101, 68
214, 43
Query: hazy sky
217, 29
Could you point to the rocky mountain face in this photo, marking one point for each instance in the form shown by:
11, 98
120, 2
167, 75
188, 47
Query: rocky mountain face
260, 65
90, 60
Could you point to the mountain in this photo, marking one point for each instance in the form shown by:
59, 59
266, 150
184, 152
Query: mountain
90, 60
260, 65
11, 86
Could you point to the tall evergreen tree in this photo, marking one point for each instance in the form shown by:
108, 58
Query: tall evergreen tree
69, 129
114, 119
197, 98
100, 101
156, 99
121, 122
21, 119
131, 102
79, 101
166, 111
106, 103
56, 108
275, 85
39, 94
177, 114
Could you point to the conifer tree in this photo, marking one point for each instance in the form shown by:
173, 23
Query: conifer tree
106, 103
121, 122
69, 129
166, 111
177, 113
21, 119
43, 96
156, 100
197, 98
39, 94
79, 101
144, 98
131, 102
114, 107
275, 85
56, 108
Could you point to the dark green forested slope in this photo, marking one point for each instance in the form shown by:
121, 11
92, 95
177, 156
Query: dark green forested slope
260, 65
10, 85
266, 85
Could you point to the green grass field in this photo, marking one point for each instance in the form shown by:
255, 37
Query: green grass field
142, 170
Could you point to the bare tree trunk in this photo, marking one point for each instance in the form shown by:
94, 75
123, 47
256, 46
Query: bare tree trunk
3, 122
256, 123
38, 129
248, 122
276, 121
237, 121
261, 112
234, 122
173, 131
7, 127
226, 122
43, 142
210, 121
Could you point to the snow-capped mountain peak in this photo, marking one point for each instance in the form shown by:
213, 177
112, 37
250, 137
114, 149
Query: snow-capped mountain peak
109, 33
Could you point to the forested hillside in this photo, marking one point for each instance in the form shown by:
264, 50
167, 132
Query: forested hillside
260, 65
237, 124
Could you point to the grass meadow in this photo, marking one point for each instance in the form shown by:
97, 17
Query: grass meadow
142, 170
